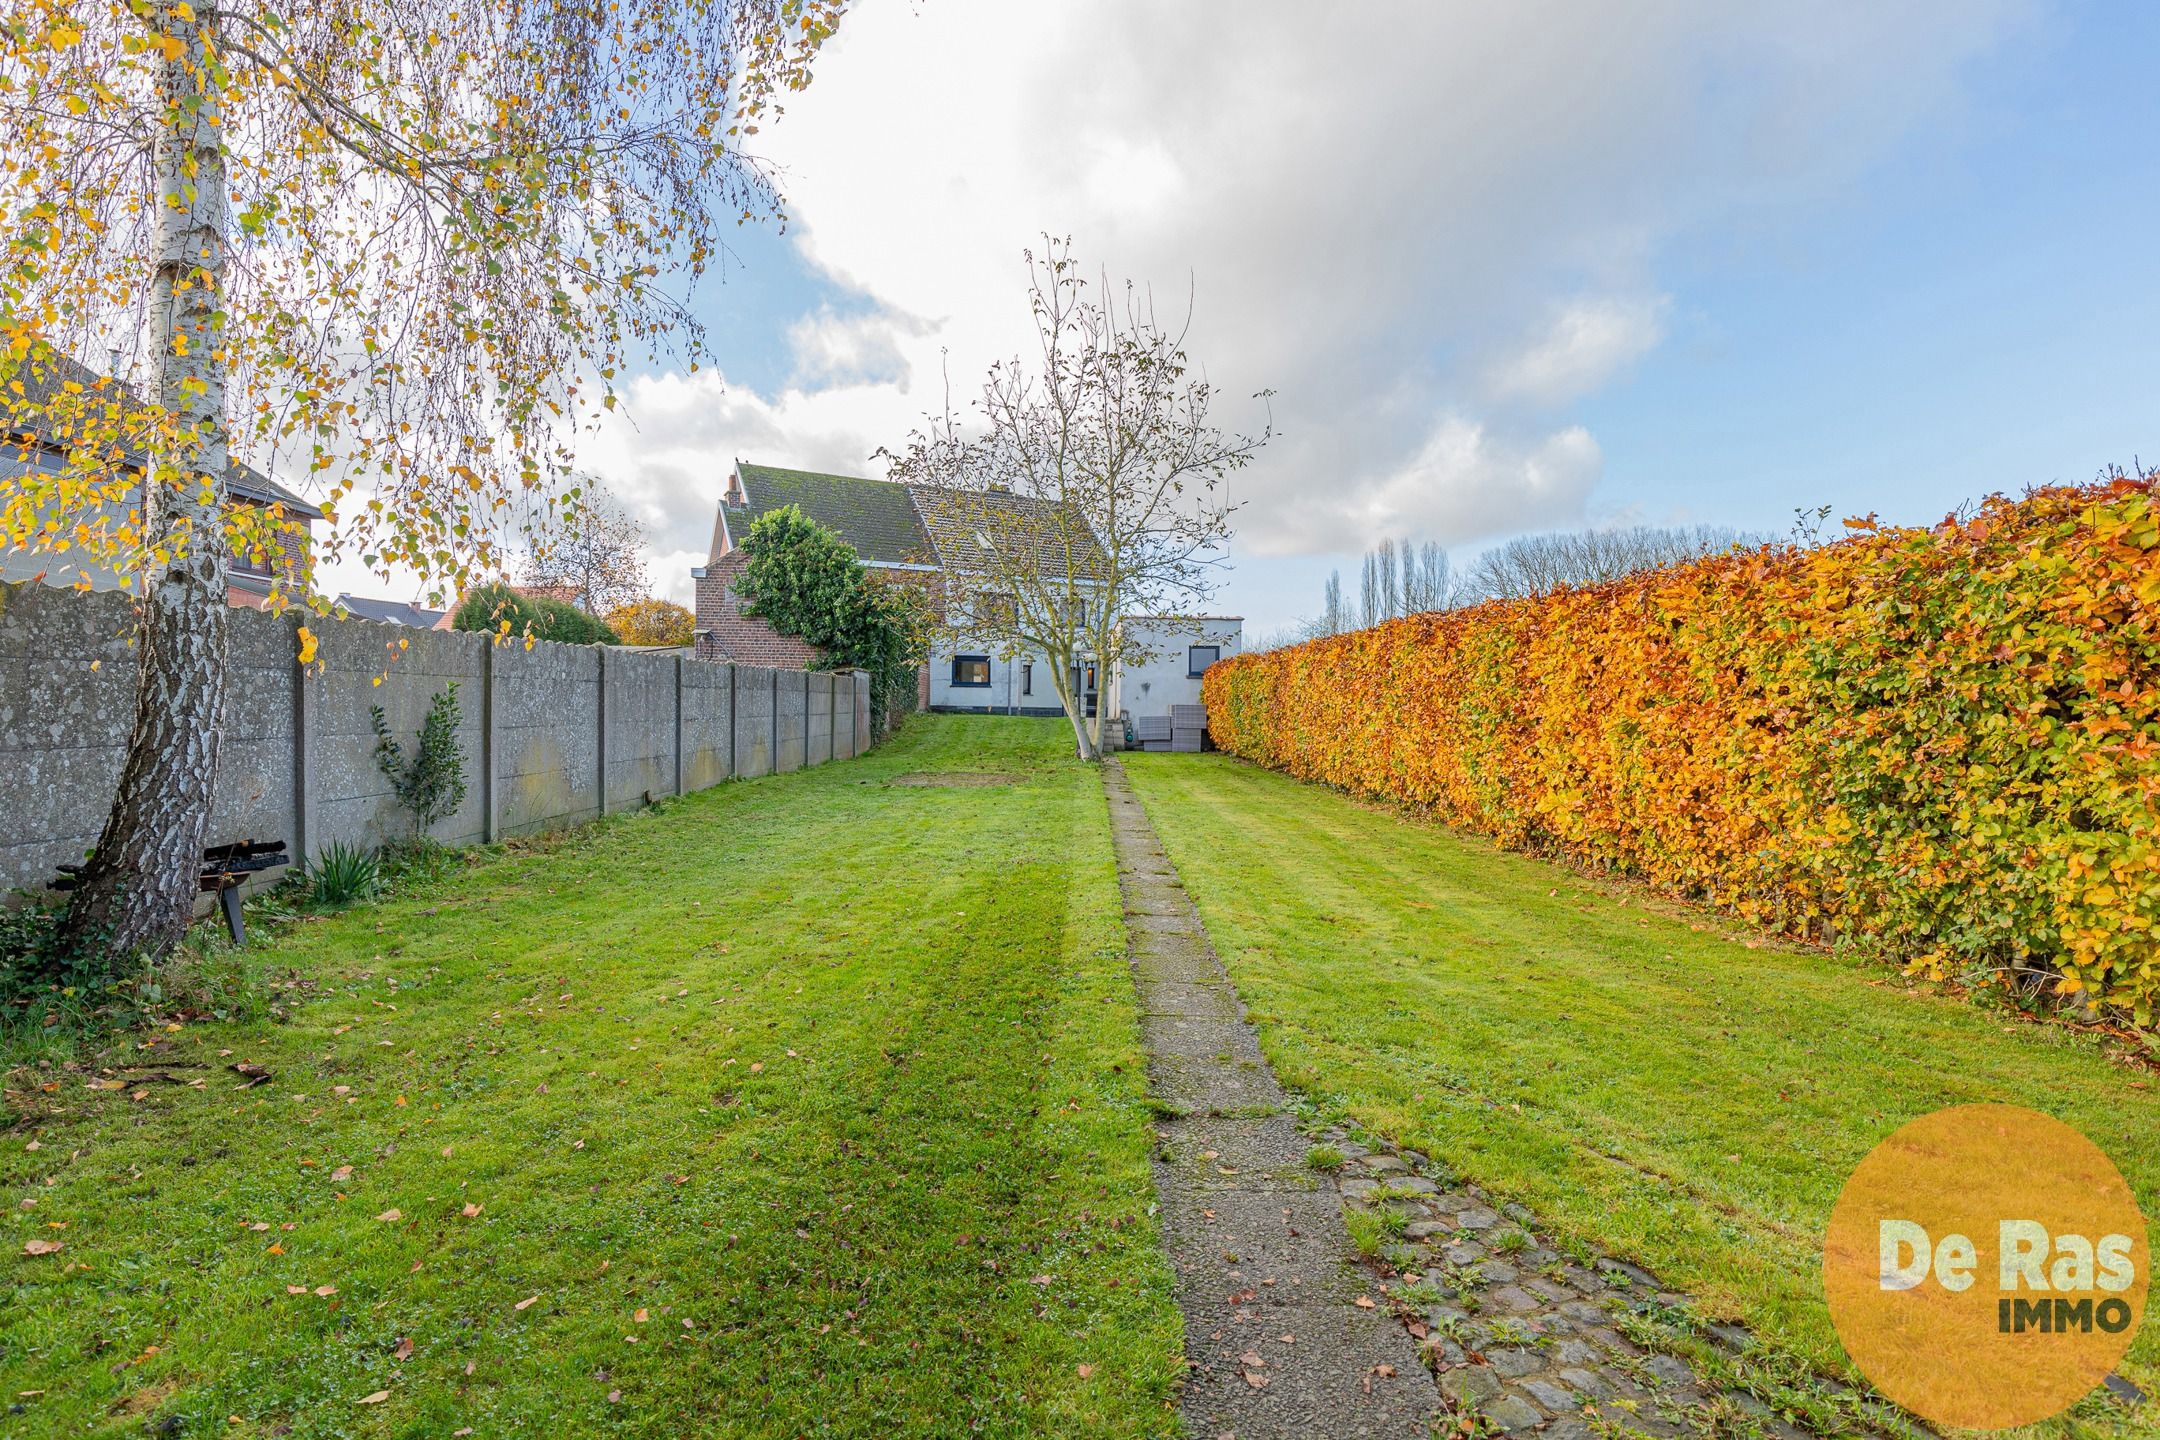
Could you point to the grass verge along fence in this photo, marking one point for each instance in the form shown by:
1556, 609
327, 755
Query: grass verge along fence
1942, 742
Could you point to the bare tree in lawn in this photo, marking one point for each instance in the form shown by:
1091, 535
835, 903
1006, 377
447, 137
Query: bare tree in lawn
595, 556
407, 248
1087, 484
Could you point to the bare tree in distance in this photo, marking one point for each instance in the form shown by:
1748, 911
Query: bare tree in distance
1087, 486
409, 248
1533, 565
1397, 577
595, 556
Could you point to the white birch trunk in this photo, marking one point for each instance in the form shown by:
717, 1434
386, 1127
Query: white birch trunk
138, 890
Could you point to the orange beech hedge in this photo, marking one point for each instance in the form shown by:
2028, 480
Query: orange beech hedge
1945, 742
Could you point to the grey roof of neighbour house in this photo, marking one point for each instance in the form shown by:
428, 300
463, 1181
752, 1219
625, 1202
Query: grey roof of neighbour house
963, 522
877, 517
392, 612
45, 380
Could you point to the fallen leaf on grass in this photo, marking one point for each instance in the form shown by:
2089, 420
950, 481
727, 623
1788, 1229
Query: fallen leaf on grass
343, 1172
1085, 1370
528, 1300
249, 1071
296, 1289
376, 1399
404, 1348
43, 1247
471, 1210
326, 1291
391, 1215
614, 1397
640, 1317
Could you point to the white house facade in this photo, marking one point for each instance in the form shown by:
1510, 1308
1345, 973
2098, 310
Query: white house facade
1180, 648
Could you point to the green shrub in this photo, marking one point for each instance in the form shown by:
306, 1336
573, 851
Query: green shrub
342, 875
432, 783
491, 607
28, 965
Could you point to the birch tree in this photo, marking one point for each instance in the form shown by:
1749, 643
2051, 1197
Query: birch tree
1086, 484
401, 253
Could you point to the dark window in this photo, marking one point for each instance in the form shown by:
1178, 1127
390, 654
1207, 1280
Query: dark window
1199, 657
1027, 678
971, 670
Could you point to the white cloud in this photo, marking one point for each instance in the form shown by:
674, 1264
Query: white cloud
1586, 344
833, 349
1428, 227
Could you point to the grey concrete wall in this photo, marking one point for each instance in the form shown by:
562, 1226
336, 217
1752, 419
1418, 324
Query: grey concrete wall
67, 676
754, 722
818, 748
361, 666
640, 726
708, 724
544, 731
791, 719
547, 736
843, 723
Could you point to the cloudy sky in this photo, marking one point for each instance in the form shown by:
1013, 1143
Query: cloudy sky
1506, 267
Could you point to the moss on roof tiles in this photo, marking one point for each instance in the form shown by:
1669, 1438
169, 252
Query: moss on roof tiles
877, 517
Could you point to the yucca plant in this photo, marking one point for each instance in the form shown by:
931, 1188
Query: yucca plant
343, 874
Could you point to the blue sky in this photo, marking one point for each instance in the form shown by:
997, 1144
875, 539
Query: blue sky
1979, 311
1505, 274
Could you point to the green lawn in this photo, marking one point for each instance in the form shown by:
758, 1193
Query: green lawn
1644, 1078
807, 1106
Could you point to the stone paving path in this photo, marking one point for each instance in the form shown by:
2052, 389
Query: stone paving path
1285, 1335
1566, 1344
1477, 1318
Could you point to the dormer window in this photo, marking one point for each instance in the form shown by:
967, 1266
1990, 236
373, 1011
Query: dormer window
983, 540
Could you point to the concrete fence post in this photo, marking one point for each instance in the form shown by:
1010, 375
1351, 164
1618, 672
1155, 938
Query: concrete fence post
678, 725
490, 746
600, 723
305, 723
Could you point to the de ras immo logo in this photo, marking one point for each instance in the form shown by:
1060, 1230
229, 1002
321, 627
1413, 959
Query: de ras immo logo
1986, 1266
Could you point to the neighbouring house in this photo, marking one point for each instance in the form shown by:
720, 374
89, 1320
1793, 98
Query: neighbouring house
1181, 648
924, 534
395, 612
249, 577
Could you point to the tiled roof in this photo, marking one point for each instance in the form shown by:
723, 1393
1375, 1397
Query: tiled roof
43, 380
964, 522
393, 612
875, 516
738, 637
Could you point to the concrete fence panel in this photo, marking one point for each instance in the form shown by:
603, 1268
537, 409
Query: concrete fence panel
791, 719
819, 746
708, 723
754, 701
640, 726
552, 736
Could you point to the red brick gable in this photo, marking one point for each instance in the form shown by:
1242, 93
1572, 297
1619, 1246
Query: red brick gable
725, 633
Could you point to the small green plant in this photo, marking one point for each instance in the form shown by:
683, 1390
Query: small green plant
432, 783
1324, 1158
1512, 1242
343, 875
1368, 1233
1507, 1330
